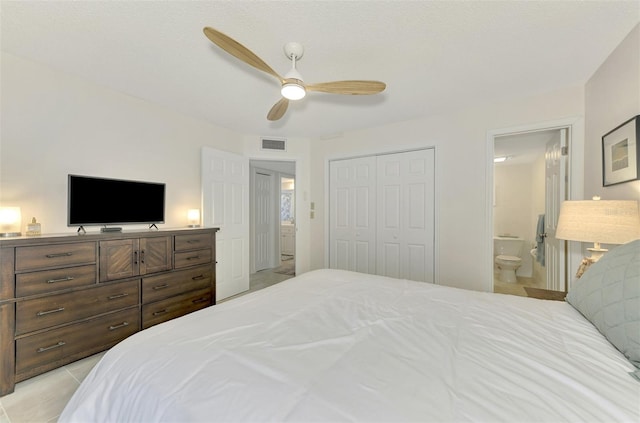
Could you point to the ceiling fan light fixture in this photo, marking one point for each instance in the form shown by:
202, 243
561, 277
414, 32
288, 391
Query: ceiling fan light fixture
293, 90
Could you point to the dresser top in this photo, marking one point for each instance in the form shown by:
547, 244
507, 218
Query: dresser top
99, 236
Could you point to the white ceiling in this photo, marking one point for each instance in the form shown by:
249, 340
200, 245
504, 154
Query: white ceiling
523, 148
434, 55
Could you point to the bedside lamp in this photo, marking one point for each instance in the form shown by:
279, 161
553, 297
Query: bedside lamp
10, 221
599, 221
193, 217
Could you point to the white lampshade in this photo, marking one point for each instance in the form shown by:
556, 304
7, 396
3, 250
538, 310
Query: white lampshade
10, 221
599, 221
293, 91
193, 216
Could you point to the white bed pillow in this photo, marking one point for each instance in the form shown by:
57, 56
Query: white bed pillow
608, 295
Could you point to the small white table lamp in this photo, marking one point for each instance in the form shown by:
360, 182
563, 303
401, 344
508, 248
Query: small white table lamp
10, 221
599, 221
193, 217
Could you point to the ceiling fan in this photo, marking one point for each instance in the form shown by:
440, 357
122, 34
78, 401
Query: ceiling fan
293, 86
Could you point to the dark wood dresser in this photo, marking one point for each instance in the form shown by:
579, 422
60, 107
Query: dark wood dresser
65, 297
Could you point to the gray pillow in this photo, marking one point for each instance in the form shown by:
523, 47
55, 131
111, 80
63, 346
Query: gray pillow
608, 295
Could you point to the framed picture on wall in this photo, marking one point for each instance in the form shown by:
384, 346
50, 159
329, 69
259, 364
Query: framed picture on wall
620, 153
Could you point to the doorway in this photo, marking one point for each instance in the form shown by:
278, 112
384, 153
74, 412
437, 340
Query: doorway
518, 205
272, 204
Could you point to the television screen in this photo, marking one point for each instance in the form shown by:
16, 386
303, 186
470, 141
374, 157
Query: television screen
101, 201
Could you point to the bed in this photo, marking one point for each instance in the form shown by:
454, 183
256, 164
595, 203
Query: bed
333, 345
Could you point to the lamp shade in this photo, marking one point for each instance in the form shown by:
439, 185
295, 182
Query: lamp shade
599, 221
193, 216
10, 221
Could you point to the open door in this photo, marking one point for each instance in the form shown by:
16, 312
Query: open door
555, 193
263, 219
225, 204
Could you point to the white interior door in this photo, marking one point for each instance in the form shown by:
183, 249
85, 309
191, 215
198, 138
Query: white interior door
352, 229
555, 194
263, 219
225, 196
405, 215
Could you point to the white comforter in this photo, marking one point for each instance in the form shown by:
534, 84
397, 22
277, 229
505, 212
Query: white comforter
340, 346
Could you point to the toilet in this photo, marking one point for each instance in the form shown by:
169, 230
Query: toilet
507, 252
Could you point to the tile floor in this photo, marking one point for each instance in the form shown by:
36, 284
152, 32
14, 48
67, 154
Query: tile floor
42, 398
518, 287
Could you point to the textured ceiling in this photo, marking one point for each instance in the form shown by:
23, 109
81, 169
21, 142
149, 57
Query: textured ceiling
523, 148
434, 55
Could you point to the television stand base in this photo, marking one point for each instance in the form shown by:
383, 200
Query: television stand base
112, 229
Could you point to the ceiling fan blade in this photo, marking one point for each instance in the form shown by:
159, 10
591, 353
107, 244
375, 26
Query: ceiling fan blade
239, 51
348, 87
278, 110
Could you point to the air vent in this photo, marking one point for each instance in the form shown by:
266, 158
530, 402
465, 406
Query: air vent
279, 144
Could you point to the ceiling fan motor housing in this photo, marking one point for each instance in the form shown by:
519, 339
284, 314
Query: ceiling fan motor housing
293, 50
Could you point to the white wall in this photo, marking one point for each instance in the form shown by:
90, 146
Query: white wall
54, 124
461, 164
612, 96
513, 201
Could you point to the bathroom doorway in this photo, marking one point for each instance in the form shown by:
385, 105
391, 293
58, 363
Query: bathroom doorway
529, 181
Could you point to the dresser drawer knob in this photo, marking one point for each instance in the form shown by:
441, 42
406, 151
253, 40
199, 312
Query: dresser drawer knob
59, 255
58, 345
44, 313
157, 313
159, 287
193, 258
121, 325
197, 278
68, 278
200, 300
193, 241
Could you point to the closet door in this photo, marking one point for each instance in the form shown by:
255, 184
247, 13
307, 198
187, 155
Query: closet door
352, 226
405, 215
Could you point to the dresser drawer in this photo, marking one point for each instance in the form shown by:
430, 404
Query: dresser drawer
192, 258
57, 345
192, 242
49, 256
54, 280
173, 307
58, 309
156, 288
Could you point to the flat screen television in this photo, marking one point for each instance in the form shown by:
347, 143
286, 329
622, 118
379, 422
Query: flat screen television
102, 201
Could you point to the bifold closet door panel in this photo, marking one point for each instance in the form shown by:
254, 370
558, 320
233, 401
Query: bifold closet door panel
352, 208
405, 215
381, 214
